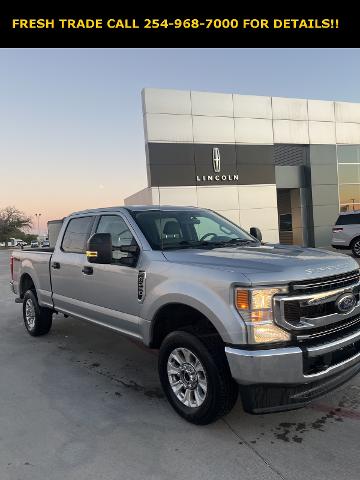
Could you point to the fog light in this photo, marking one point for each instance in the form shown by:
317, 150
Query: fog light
268, 333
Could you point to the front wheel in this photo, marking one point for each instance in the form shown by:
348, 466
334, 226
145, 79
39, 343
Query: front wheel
37, 320
355, 247
196, 378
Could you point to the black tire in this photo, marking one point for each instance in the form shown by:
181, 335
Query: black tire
42, 321
222, 391
355, 247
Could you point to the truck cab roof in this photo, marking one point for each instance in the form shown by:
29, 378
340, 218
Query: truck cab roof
136, 208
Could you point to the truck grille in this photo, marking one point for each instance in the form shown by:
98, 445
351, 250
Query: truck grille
326, 283
293, 311
331, 332
311, 305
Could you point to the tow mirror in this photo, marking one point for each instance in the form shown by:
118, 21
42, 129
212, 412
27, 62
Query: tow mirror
99, 248
256, 232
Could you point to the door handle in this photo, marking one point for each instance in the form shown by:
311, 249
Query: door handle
87, 270
55, 265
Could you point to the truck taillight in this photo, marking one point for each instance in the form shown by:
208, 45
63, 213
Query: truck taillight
12, 267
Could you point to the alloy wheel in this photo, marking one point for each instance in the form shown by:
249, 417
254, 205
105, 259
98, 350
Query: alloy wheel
187, 377
30, 314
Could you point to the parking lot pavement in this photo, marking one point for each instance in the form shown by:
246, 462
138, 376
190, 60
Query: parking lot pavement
85, 403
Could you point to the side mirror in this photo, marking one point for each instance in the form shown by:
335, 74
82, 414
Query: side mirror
256, 232
99, 248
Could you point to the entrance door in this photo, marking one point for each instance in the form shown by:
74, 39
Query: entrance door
285, 215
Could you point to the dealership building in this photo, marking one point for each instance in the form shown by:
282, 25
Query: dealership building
284, 165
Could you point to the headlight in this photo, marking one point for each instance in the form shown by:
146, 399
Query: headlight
255, 306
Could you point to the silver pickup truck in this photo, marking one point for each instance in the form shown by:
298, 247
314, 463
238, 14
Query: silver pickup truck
228, 313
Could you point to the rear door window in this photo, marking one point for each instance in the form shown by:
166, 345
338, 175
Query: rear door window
352, 219
77, 234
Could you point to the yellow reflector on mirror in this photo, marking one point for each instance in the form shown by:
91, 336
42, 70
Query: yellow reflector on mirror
91, 254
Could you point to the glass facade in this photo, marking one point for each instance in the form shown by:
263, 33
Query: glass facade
349, 177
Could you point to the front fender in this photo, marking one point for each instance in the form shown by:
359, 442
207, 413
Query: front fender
215, 305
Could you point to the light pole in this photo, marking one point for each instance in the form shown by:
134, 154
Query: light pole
38, 215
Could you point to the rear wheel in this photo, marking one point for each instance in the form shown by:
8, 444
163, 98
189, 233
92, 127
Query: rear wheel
355, 247
37, 320
196, 378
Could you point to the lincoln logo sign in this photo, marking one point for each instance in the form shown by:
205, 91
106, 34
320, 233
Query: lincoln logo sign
216, 161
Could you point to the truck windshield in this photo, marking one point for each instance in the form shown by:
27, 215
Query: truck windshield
177, 229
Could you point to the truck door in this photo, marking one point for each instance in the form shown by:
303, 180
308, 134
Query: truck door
67, 279
110, 291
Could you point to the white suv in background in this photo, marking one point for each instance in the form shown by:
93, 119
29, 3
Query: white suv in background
346, 232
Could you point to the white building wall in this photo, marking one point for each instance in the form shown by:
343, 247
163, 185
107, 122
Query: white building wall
173, 116
245, 205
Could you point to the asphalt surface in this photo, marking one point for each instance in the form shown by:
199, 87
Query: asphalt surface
85, 403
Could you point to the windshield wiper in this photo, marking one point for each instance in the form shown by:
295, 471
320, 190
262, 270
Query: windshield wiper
236, 241
186, 244
208, 244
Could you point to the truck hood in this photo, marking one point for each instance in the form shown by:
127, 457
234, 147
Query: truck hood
268, 263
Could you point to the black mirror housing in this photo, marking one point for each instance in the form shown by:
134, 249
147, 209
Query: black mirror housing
99, 248
256, 232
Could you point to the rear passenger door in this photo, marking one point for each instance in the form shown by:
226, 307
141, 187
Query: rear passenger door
111, 290
67, 263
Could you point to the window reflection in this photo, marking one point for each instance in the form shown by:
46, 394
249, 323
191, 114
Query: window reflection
349, 193
349, 177
349, 207
349, 173
348, 153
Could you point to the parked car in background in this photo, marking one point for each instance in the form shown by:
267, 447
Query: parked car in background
21, 243
34, 244
45, 244
346, 232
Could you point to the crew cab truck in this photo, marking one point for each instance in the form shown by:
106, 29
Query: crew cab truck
228, 313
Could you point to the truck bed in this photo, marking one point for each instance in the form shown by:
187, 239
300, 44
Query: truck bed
36, 263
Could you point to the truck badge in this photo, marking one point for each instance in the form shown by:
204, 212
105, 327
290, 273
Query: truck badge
141, 285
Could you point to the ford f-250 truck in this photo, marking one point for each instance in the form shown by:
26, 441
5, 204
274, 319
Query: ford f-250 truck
224, 309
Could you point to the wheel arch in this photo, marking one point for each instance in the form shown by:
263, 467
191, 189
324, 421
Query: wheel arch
354, 240
179, 316
352, 244
26, 283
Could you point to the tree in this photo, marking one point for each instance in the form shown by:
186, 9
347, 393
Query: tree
13, 223
29, 237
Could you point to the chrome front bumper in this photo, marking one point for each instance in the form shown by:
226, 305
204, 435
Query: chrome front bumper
285, 366
274, 380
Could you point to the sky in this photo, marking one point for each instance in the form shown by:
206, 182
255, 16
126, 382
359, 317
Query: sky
71, 131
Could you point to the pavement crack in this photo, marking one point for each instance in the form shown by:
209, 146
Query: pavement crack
258, 454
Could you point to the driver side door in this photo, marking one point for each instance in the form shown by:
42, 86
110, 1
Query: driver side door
112, 289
